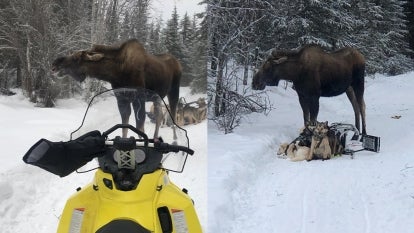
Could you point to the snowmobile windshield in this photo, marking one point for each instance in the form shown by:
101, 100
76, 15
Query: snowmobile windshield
140, 108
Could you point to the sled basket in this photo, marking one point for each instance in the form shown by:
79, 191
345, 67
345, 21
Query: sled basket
371, 143
353, 141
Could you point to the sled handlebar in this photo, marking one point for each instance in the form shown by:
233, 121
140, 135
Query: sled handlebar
125, 126
159, 146
165, 148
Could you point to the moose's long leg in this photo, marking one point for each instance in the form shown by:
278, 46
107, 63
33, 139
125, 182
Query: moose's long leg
358, 85
351, 96
139, 109
173, 101
361, 103
124, 107
313, 108
305, 108
359, 95
158, 117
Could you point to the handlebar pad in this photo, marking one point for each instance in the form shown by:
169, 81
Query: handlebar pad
62, 158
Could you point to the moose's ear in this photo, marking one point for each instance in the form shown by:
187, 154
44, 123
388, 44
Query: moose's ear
77, 55
279, 60
274, 53
94, 56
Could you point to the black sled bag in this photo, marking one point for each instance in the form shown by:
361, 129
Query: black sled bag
62, 158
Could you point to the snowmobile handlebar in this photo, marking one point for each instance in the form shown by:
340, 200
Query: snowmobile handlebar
62, 158
165, 148
159, 146
125, 126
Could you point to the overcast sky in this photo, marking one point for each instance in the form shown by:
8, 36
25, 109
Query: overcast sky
164, 8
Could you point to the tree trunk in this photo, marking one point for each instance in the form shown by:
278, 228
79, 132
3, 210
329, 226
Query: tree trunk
219, 90
246, 72
18, 73
28, 85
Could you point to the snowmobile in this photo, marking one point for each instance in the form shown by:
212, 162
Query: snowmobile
131, 191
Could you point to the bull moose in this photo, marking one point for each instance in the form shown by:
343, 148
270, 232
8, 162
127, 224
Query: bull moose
317, 73
127, 65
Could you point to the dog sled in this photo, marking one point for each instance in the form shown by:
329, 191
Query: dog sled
352, 141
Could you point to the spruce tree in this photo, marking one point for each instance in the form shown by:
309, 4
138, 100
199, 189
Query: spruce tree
173, 44
172, 37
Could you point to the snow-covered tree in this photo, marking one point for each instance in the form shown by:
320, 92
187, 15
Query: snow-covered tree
409, 12
139, 19
155, 40
383, 38
172, 36
229, 44
126, 28
196, 49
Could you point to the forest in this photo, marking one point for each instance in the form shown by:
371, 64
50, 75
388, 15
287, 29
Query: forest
226, 43
383, 30
35, 32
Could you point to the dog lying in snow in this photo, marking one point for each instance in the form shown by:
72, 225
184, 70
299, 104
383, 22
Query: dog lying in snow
293, 151
191, 113
315, 141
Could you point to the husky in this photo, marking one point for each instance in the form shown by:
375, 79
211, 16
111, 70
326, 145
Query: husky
192, 113
335, 142
187, 114
202, 109
282, 151
166, 119
293, 151
320, 148
305, 135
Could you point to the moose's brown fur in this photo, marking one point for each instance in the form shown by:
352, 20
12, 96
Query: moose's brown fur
316, 73
126, 65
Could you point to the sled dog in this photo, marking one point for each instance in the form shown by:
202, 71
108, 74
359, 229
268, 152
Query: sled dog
188, 114
335, 142
293, 151
282, 151
192, 113
166, 119
202, 109
320, 148
305, 135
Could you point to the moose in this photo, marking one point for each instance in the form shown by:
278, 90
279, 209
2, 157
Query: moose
317, 73
127, 65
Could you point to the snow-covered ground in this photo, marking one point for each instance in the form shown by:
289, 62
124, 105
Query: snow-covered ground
250, 189
31, 199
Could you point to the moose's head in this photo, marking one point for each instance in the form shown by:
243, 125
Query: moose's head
269, 74
76, 64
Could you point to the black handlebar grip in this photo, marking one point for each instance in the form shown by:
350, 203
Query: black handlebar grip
165, 148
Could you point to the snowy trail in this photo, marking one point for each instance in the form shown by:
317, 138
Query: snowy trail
262, 193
